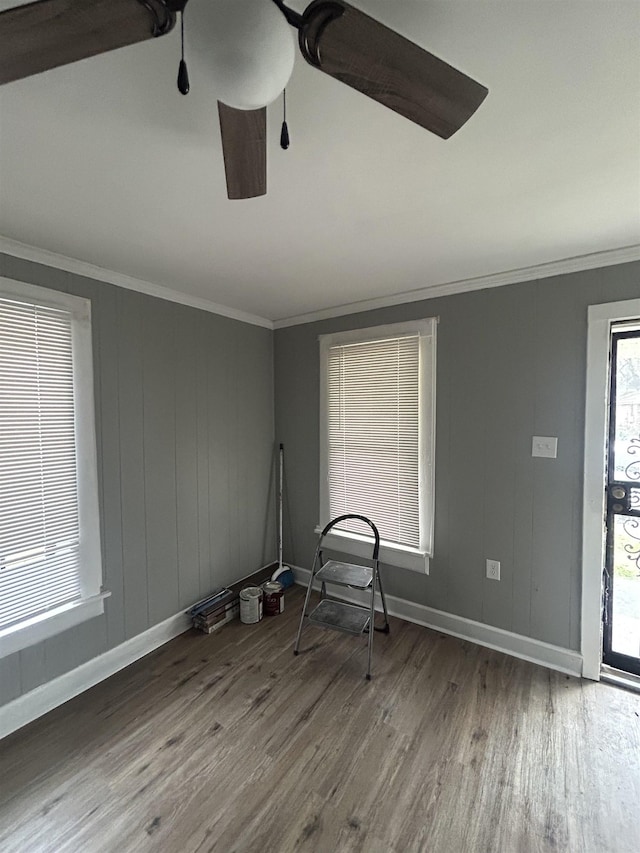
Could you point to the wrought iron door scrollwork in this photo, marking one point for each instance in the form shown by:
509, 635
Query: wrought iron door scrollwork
631, 527
632, 471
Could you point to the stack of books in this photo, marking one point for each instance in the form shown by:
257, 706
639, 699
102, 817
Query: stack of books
216, 610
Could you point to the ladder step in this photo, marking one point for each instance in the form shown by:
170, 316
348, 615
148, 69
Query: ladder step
345, 574
340, 616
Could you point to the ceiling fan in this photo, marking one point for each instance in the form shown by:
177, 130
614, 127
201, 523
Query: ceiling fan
333, 36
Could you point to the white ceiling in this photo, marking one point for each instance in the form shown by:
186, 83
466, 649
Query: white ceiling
105, 162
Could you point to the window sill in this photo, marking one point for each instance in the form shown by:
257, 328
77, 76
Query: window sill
45, 625
391, 555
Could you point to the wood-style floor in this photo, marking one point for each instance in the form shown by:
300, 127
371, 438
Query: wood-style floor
229, 743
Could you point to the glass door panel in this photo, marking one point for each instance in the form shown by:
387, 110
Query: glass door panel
621, 635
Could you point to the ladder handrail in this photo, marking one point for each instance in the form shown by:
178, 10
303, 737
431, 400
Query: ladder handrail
376, 547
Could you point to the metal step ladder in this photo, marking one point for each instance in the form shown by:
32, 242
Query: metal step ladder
340, 615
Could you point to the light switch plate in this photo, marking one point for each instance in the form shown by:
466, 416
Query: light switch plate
544, 445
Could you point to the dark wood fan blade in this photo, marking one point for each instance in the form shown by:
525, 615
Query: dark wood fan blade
368, 56
244, 146
49, 33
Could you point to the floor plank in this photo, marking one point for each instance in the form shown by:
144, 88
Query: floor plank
230, 743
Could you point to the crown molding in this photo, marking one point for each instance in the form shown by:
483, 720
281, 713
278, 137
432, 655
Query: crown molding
83, 268
579, 263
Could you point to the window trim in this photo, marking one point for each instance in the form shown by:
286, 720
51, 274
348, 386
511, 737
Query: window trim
415, 559
45, 625
49, 623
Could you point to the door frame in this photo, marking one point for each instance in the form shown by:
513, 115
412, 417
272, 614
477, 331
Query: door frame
600, 319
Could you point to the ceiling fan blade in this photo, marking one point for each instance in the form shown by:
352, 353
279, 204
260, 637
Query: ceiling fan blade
368, 56
49, 33
244, 146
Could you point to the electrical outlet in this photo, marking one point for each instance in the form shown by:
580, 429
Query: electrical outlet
493, 570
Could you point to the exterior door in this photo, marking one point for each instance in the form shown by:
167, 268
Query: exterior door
621, 611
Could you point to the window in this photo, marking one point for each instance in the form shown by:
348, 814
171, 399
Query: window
50, 568
377, 413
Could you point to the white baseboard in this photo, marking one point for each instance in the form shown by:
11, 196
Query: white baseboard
45, 698
517, 645
48, 696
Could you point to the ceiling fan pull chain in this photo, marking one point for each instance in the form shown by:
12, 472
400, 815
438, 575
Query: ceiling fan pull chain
284, 133
183, 74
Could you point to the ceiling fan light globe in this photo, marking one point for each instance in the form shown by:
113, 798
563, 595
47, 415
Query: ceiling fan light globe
247, 47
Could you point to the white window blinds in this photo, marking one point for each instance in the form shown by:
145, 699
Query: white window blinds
373, 435
39, 523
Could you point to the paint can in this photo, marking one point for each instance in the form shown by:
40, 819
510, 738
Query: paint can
273, 598
251, 604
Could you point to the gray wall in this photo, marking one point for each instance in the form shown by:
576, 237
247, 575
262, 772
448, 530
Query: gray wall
511, 364
184, 404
